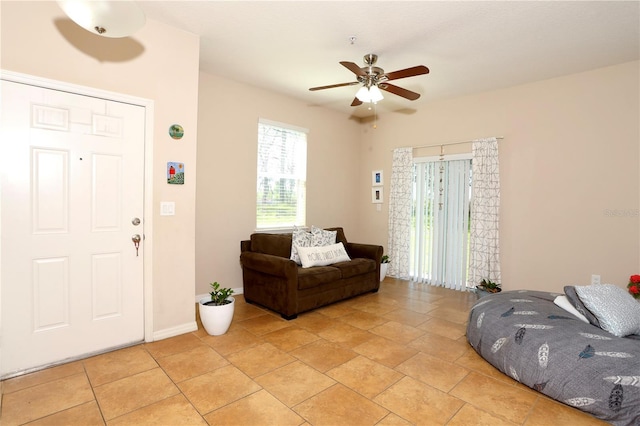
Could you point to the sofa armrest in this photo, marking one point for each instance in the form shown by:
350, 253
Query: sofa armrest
270, 264
270, 281
367, 251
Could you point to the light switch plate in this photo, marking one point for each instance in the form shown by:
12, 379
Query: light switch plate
167, 208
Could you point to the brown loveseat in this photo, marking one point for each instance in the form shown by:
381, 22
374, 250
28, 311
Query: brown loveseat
274, 281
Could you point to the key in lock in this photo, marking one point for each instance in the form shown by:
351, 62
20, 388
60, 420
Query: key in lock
136, 241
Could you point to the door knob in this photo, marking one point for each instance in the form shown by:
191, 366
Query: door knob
136, 242
135, 221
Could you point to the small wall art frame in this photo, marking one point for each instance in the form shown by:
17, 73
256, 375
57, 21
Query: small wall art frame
377, 195
377, 178
175, 173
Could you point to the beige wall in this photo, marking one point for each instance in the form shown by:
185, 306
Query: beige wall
158, 63
570, 154
570, 180
227, 158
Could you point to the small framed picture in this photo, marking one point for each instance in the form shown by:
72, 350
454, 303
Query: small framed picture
376, 178
175, 173
377, 195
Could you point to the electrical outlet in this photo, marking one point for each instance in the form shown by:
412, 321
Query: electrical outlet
595, 279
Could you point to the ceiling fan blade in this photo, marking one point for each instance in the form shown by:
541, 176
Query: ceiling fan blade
331, 86
353, 68
356, 102
408, 94
408, 72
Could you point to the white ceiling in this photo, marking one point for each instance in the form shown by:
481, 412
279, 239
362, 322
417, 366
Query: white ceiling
469, 46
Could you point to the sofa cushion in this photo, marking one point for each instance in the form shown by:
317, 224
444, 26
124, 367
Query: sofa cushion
357, 266
318, 275
275, 244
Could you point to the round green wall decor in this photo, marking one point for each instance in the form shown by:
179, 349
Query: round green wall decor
176, 131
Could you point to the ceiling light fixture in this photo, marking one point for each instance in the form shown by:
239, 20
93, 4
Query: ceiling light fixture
369, 94
376, 94
113, 19
363, 94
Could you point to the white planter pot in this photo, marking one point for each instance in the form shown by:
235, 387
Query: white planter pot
383, 270
216, 319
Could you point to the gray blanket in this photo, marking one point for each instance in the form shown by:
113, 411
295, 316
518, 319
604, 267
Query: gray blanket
526, 336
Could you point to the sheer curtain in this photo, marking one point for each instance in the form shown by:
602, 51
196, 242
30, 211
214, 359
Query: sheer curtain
400, 212
441, 222
485, 205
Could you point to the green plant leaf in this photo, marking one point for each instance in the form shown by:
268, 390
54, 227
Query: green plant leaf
220, 296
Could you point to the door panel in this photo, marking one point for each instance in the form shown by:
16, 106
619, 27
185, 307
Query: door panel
72, 180
49, 193
51, 293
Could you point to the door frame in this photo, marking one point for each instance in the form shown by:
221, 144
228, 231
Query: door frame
148, 105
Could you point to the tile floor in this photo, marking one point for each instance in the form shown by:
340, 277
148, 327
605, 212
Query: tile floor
397, 357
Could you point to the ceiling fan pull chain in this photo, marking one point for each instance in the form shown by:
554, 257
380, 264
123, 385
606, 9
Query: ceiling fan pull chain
375, 116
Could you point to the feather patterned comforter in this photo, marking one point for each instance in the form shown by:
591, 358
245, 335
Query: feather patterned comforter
526, 336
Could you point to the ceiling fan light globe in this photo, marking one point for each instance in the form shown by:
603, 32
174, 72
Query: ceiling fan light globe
363, 94
375, 94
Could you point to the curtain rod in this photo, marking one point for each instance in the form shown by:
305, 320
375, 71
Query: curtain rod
445, 144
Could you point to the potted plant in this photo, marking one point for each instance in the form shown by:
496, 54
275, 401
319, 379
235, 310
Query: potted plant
384, 265
216, 312
487, 286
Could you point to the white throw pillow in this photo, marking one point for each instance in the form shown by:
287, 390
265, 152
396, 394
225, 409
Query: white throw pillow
322, 256
616, 310
564, 303
321, 237
299, 238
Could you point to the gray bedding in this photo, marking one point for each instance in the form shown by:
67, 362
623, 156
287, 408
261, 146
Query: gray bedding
526, 336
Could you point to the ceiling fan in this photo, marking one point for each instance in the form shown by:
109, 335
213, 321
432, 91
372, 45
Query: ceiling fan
374, 79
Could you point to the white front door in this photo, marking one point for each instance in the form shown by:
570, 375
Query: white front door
72, 169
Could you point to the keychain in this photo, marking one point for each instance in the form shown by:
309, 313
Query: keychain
136, 242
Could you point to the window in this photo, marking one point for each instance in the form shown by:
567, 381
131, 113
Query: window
282, 175
440, 222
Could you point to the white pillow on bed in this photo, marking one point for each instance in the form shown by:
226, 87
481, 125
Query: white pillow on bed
616, 310
564, 303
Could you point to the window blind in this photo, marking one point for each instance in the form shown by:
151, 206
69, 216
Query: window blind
282, 174
440, 231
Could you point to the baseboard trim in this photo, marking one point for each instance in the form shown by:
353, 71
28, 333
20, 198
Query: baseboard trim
175, 331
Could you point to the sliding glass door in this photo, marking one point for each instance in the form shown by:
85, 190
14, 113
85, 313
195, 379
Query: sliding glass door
440, 221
